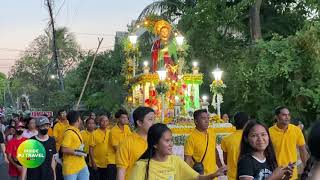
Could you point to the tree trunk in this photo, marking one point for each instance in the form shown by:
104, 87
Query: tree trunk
254, 20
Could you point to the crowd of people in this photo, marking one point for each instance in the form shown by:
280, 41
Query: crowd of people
107, 148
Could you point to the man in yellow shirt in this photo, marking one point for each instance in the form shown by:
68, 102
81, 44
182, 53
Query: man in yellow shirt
201, 144
99, 149
73, 164
230, 145
117, 134
59, 128
61, 125
86, 135
286, 138
130, 150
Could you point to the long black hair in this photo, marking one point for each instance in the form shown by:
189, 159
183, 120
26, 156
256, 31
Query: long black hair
313, 144
246, 149
155, 133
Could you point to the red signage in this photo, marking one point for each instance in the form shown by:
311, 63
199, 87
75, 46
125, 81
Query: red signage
41, 113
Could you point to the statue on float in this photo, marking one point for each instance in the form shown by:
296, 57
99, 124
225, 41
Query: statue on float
163, 51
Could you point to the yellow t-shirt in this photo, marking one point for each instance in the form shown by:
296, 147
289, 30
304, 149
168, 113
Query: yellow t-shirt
50, 132
58, 131
195, 146
99, 141
72, 164
174, 168
129, 151
231, 145
86, 136
116, 136
285, 145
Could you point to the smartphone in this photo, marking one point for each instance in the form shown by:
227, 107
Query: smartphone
292, 164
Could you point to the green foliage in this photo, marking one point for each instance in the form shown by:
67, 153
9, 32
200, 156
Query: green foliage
162, 88
282, 69
3, 83
105, 89
31, 72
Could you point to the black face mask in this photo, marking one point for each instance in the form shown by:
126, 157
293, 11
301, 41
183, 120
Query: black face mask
19, 132
43, 131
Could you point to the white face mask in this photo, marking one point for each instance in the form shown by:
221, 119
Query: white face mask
9, 137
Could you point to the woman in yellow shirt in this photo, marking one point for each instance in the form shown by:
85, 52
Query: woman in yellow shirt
157, 162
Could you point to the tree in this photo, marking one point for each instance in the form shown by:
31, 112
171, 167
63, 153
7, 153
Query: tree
105, 90
3, 85
255, 25
30, 74
258, 75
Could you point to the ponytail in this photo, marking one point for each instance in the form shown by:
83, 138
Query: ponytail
147, 155
306, 172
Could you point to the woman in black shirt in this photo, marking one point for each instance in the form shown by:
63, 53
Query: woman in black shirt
257, 159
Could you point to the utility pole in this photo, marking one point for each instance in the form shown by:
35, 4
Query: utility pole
88, 75
54, 46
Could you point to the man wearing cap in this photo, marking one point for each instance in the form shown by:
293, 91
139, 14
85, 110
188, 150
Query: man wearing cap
15, 168
47, 169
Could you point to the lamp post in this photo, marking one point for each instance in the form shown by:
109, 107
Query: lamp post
162, 76
133, 39
176, 107
204, 103
217, 73
180, 40
195, 68
146, 67
52, 76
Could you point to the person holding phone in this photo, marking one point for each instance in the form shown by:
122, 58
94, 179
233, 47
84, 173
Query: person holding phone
286, 139
257, 159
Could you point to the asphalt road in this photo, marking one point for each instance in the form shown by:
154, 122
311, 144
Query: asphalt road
4, 171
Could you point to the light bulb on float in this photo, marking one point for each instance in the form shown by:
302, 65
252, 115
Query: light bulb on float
195, 68
146, 67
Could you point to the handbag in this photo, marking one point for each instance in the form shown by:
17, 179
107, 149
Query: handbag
60, 150
198, 166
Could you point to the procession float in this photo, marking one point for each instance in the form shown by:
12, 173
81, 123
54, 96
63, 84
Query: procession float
166, 84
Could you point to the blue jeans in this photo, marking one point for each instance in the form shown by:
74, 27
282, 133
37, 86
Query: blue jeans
81, 175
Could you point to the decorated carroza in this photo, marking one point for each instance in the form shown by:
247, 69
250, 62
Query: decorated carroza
165, 83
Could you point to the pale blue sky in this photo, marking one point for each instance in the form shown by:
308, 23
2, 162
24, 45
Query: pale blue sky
21, 21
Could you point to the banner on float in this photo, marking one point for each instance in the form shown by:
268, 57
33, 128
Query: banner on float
41, 113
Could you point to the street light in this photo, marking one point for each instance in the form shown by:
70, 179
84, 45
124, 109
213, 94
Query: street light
179, 40
204, 98
146, 68
162, 76
217, 73
52, 76
176, 107
195, 68
145, 63
204, 103
133, 39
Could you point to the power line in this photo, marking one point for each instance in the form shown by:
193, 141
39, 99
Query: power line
93, 34
59, 9
10, 49
7, 59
